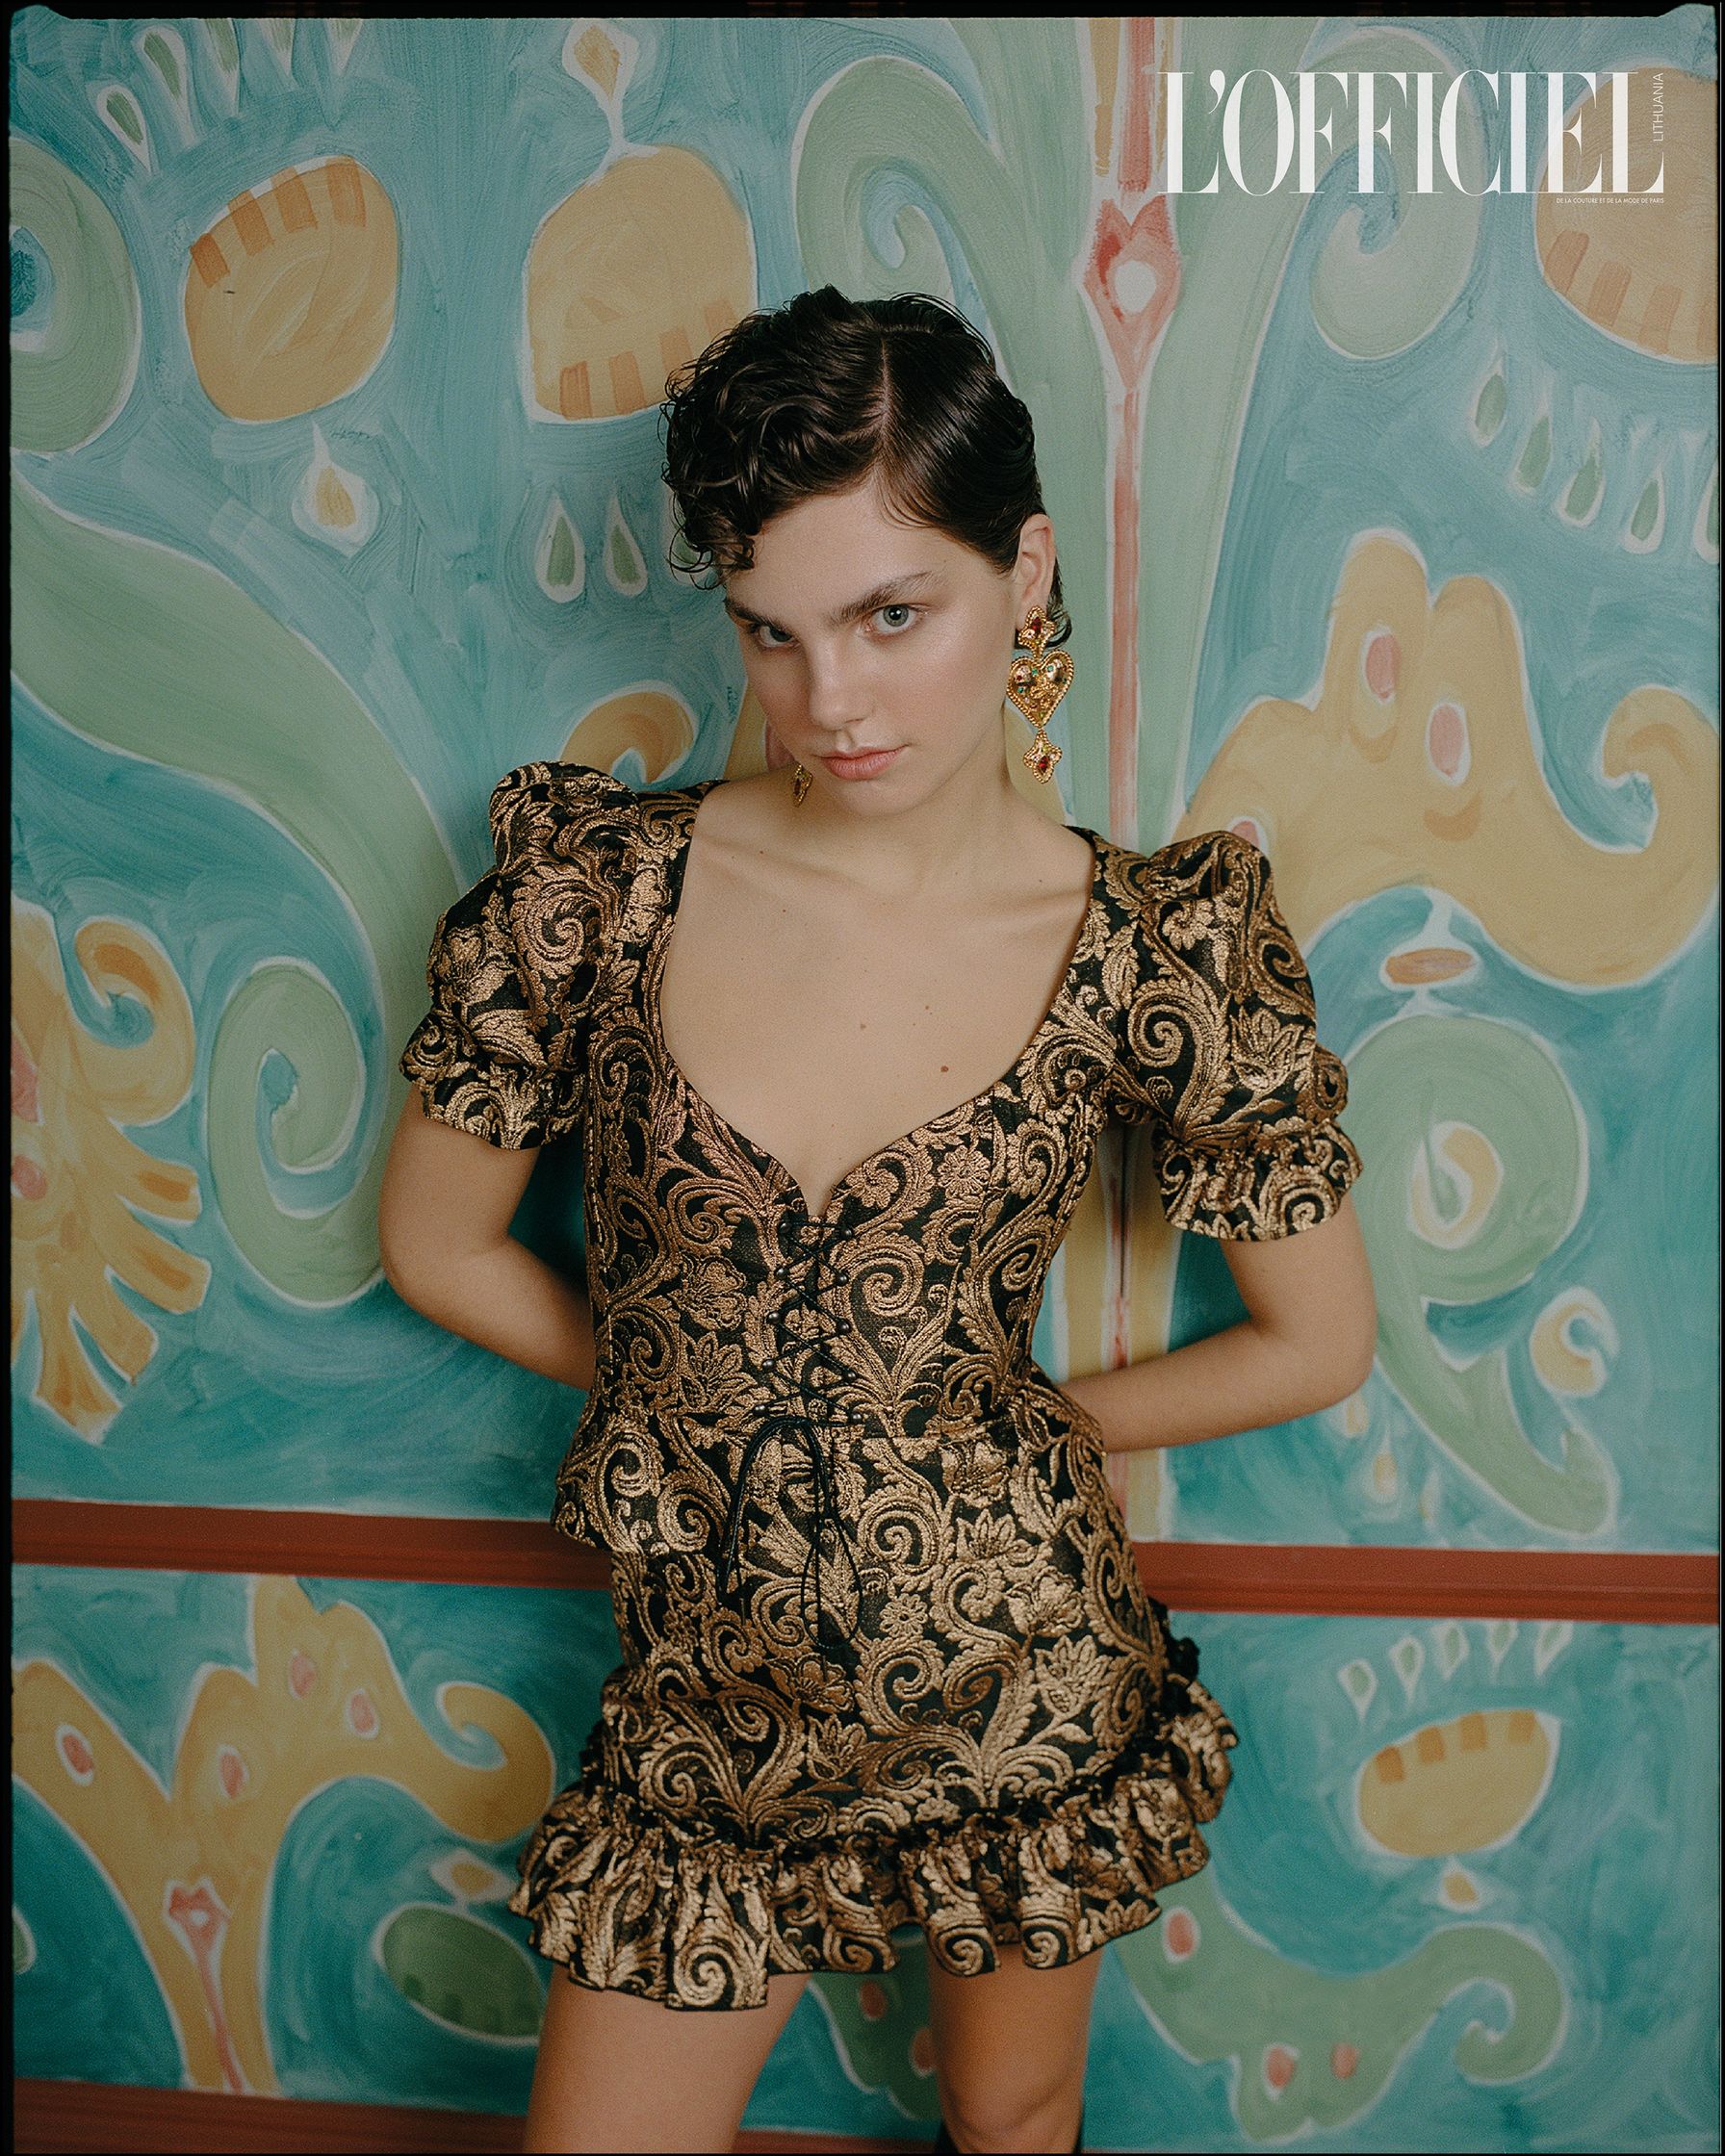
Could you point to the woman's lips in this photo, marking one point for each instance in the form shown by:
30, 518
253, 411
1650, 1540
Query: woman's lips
862, 766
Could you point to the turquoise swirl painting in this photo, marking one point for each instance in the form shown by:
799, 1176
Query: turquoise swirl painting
265, 1827
1389, 526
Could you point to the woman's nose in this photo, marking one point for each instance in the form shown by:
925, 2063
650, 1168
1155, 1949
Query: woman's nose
834, 704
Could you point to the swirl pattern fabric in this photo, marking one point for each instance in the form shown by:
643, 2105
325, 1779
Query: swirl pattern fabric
888, 1660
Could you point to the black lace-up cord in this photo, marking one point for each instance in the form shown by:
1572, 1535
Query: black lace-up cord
827, 1516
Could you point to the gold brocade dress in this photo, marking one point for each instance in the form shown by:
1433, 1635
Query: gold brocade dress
887, 1657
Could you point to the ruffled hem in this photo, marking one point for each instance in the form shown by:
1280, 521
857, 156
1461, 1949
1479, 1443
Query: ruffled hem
1255, 1189
632, 1904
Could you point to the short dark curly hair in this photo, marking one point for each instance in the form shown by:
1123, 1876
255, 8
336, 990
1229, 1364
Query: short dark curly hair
812, 398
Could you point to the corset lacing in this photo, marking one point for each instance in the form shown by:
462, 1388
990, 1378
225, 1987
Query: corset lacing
802, 1424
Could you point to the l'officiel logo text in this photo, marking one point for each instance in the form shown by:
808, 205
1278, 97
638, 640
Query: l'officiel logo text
1299, 134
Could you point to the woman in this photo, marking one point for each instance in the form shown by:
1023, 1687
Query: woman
887, 1660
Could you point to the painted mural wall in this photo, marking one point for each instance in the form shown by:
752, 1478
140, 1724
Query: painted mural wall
1390, 529
264, 1829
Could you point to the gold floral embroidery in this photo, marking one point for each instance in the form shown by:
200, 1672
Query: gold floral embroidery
1070, 1669
929, 1686
1220, 1055
1268, 1049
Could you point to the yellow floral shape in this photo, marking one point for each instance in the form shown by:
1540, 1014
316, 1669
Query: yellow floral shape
658, 725
1418, 765
77, 1181
192, 1864
468, 1878
289, 296
1473, 1166
1644, 270
1565, 1364
602, 56
627, 278
1470, 1784
332, 502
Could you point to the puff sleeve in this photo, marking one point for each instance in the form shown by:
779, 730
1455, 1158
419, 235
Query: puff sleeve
1218, 1053
518, 964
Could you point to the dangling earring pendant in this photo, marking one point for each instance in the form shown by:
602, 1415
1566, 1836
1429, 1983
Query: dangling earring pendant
1036, 685
800, 784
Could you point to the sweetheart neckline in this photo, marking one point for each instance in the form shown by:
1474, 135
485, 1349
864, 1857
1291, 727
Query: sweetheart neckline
675, 870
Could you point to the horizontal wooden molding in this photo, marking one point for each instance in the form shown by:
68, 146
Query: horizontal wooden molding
312, 1545
78, 2118
1600, 1586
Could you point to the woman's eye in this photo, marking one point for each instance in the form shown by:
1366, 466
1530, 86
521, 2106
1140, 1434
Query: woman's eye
762, 630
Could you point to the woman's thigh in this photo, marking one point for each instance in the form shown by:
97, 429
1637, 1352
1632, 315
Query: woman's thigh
1010, 2050
617, 2073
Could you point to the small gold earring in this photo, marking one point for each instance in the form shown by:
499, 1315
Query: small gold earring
800, 784
1036, 685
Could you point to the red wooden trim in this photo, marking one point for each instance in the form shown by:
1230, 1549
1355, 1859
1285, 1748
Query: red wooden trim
57, 2118
312, 1545
91, 2117
1597, 1586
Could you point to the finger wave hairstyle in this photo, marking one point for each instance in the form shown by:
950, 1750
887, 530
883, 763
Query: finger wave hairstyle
812, 397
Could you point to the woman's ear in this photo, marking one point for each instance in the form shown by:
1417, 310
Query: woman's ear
1035, 568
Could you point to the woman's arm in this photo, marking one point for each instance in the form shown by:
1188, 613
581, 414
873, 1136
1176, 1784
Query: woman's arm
1308, 1340
444, 1213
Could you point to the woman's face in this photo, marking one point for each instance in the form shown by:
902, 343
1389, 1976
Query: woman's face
862, 634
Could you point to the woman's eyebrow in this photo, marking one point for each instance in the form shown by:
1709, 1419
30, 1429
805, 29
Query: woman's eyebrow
857, 609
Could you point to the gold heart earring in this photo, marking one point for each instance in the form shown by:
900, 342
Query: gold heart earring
1036, 685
